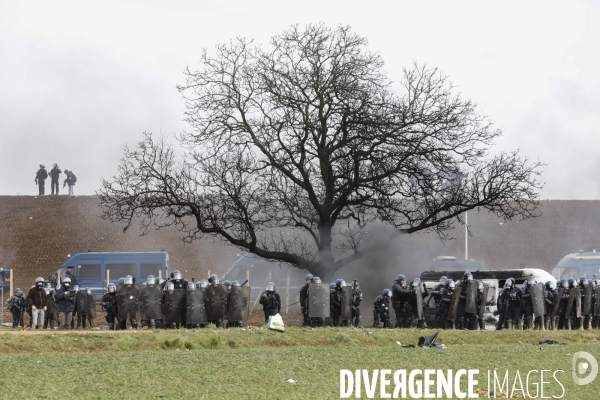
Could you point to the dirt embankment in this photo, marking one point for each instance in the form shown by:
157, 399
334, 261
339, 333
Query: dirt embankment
37, 234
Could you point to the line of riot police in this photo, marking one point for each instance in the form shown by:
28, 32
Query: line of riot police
334, 305
175, 303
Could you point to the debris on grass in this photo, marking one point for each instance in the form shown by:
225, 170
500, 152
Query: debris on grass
291, 381
551, 342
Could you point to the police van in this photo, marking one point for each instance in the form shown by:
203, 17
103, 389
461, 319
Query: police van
576, 265
92, 269
493, 279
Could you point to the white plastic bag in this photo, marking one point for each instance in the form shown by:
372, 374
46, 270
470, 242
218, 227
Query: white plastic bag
276, 323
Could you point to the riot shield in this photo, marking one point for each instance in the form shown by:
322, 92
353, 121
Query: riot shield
318, 300
215, 298
91, 305
573, 296
537, 300
454, 303
346, 313
597, 302
484, 295
225, 303
239, 299
577, 303
586, 304
81, 303
471, 297
195, 312
174, 306
151, 302
127, 301
561, 291
419, 295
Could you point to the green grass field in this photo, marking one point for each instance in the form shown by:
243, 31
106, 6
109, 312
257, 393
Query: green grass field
215, 364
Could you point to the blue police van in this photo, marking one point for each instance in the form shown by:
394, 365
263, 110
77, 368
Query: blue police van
91, 269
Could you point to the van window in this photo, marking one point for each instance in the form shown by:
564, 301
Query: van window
491, 296
120, 271
89, 272
149, 269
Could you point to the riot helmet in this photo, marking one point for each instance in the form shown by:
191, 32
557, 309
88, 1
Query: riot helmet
76, 288
552, 285
467, 276
39, 281
583, 281
416, 282
451, 284
227, 283
111, 288
480, 286
443, 280
203, 283
309, 277
448, 280
177, 275
511, 282
151, 280
47, 291
235, 283
121, 280
160, 281
598, 282
401, 277
565, 283
191, 286
530, 281
596, 276
19, 293
88, 290
386, 293
340, 283
128, 280
213, 279
332, 285
170, 286
572, 282
316, 279
355, 285
270, 287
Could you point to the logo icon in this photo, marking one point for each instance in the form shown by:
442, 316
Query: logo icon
581, 367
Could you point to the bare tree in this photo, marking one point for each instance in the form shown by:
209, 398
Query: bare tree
298, 147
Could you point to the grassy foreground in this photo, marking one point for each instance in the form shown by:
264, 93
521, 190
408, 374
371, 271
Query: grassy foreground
215, 364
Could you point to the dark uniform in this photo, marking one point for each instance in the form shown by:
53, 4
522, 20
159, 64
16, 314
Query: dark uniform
50, 316
437, 294
501, 306
304, 300
381, 310
550, 295
527, 305
563, 320
446, 294
400, 296
54, 174
271, 302
109, 304
356, 300
81, 309
335, 302
17, 309
513, 303
40, 179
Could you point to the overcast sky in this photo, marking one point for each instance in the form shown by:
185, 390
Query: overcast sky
79, 81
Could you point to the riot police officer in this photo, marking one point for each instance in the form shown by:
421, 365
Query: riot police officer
109, 304
356, 300
564, 321
80, 307
315, 321
381, 310
52, 312
178, 281
304, 299
335, 301
463, 318
271, 301
437, 293
213, 280
232, 322
479, 300
527, 303
550, 295
446, 298
513, 306
400, 295
575, 321
501, 306
412, 299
